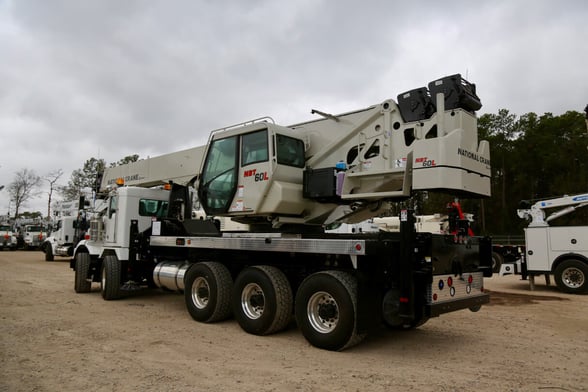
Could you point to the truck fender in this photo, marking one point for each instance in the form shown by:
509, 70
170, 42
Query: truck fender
567, 256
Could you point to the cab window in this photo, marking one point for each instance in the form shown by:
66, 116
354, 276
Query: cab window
254, 148
157, 208
290, 151
113, 206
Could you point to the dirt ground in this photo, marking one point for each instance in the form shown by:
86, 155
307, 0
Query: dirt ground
52, 339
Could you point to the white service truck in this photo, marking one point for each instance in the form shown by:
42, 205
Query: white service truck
8, 238
69, 226
33, 236
558, 250
287, 183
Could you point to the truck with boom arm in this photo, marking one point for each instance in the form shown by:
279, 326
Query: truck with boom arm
287, 183
558, 250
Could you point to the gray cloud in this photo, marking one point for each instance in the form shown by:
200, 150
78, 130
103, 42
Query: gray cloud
108, 78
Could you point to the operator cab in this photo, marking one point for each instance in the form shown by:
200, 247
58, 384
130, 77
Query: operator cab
255, 169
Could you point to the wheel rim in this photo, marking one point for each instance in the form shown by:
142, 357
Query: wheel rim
323, 312
572, 277
200, 293
103, 279
252, 301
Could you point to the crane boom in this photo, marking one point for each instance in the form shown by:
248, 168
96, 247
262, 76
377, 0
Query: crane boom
568, 204
179, 167
339, 168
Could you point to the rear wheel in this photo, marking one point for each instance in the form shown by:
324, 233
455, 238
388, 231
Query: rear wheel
262, 300
497, 261
207, 292
111, 279
571, 276
326, 309
82, 285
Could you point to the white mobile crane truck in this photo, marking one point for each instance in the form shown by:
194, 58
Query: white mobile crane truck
68, 226
558, 250
287, 183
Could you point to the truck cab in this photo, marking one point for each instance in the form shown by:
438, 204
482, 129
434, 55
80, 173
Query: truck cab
7, 237
33, 236
62, 239
110, 231
256, 170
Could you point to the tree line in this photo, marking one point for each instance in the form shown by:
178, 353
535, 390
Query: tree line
26, 184
533, 157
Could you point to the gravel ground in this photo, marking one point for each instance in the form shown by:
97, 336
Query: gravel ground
52, 339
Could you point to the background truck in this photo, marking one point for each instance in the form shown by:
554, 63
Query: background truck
33, 236
69, 225
7, 237
454, 222
287, 183
558, 250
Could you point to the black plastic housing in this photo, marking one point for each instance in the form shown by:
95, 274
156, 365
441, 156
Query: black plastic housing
459, 93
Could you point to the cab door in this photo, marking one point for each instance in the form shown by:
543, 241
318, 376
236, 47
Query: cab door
255, 172
110, 220
236, 175
218, 182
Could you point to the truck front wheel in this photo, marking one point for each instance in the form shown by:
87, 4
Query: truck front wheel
326, 308
207, 292
48, 252
110, 282
571, 276
262, 300
81, 283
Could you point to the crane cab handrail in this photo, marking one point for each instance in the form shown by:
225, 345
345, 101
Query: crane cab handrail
241, 124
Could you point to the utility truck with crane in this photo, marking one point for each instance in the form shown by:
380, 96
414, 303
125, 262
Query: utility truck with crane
287, 183
558, 250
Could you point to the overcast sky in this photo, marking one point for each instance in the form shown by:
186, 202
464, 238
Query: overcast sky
107, 79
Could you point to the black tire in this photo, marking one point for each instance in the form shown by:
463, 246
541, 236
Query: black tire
207, 292
48, 252
81, 283
111, 278
262, 300
497, 261
571, 276
326, 310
